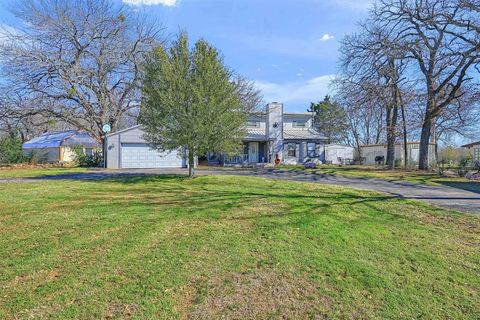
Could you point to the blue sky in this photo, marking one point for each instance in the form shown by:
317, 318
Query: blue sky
288, 47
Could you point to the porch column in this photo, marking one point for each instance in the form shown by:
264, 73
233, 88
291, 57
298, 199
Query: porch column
301, 153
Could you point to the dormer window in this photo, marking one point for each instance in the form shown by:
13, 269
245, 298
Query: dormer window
299, 124
253, 124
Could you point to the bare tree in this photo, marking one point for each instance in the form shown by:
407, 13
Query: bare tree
78, 60
365, 115
18, 119
247, 91
460, 118
442, 38
369, 59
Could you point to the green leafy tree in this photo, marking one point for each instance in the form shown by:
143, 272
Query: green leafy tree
330, 119
11, 149
192, 101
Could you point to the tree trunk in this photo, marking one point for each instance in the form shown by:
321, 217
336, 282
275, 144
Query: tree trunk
191, 163
392, 115
424, 143
435, 138
405, 138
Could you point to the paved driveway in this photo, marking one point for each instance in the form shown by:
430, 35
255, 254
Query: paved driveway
444, 196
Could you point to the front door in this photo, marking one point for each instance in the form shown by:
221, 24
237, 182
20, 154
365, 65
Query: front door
253, 152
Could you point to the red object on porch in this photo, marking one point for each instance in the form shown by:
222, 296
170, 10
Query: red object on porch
277, 159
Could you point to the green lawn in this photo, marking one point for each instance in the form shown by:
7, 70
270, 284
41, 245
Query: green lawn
7, 173
414, 176
231, 247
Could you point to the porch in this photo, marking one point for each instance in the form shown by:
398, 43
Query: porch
254, 152
299, 151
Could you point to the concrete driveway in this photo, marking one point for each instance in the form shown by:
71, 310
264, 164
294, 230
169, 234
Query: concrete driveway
443, 196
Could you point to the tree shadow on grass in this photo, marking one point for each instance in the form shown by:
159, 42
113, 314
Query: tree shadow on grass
202, 197
130, 178
467, 185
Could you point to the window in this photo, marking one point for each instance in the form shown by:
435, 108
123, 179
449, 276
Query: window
311, 149
476, 154
299, 124
292, 150
253, 123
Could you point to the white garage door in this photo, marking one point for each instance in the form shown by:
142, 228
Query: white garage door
139, 155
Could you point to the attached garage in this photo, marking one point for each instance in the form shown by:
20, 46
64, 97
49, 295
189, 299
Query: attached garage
126, 149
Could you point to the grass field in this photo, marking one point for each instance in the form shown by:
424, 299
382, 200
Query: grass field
7, 173
231, 247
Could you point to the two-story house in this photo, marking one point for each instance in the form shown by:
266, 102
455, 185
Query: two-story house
272, 134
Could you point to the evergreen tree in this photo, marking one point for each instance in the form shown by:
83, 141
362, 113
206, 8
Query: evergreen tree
330, 119
191, 101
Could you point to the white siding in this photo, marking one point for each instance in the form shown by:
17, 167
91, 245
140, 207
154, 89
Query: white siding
368, 153
476, 153
335, 152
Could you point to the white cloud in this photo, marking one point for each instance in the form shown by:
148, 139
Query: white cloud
168, 3
326, 37
307, 46
299, 93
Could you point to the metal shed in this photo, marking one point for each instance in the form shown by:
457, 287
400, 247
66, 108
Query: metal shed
58, 146
128, 149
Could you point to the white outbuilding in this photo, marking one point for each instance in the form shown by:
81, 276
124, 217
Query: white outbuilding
368, 153
339, 154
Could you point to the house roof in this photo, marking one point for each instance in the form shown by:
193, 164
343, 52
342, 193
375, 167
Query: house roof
61, 138
293, 134
256, 134
123, 130
297, 114
469, 145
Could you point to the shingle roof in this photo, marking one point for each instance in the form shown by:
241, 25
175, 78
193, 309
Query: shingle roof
302, 134
57, 139
256, 134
